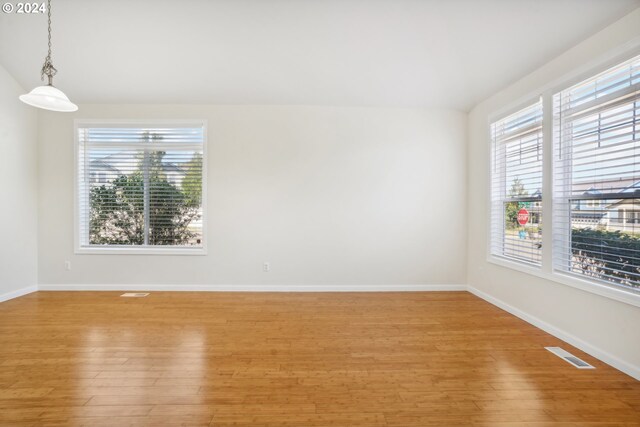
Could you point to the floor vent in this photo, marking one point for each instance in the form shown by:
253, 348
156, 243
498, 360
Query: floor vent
570, 358
135, 294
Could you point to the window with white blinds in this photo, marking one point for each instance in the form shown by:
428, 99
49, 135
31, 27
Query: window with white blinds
596, 185
140, 186
516, 186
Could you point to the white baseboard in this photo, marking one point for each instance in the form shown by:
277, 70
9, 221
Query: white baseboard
18, 293
258, 288
598, 353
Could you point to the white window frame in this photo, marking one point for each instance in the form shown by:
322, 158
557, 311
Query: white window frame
546, 271
140, 249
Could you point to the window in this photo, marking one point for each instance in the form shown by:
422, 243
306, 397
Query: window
516, 186
140, 187
597, 177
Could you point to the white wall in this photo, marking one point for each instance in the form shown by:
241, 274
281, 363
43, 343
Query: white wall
329, 196
18, 191
606, 328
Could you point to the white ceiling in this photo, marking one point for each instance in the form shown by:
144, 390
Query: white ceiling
428, 53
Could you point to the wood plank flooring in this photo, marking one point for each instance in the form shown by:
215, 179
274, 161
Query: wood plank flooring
292, 359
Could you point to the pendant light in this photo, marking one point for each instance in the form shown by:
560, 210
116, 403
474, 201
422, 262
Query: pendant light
48, 97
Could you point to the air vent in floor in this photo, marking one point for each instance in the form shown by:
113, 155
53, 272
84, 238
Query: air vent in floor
570, 358
135, 294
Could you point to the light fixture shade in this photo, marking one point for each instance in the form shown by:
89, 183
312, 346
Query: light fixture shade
49, 98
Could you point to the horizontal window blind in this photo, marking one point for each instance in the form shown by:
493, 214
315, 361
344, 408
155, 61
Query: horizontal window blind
140, 186
516, 185
597, 177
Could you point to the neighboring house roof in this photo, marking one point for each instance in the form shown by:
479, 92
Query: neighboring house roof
110, 164
589, 215
605, 185
101, 164
172, 167
633, 188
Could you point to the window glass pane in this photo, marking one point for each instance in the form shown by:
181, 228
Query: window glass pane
516, 214
116, 197
175, 199
597, 177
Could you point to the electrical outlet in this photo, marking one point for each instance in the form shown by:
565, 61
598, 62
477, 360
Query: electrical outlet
67, 265
266, 267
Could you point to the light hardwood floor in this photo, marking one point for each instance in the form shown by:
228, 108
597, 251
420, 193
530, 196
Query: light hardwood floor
282, 359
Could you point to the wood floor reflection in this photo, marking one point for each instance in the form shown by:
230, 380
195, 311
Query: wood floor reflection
292, 359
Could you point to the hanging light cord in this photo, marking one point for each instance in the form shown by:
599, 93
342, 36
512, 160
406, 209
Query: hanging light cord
48, 69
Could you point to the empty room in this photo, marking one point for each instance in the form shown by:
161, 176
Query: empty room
320, 213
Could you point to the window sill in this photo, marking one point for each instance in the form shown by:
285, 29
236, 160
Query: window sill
112, 250
608, 291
